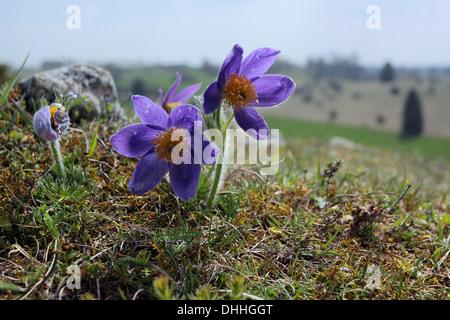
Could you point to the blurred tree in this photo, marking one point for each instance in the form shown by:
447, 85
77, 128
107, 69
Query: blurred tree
387, 74
281, 66
412, 116
138, 87
316, 69
337, 68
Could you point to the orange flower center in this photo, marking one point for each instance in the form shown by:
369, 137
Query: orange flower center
239, 91
166, 140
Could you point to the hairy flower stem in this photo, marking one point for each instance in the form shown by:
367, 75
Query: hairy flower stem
220, 164
56, 152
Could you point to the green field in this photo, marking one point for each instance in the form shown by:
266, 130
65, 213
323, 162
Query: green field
424, 146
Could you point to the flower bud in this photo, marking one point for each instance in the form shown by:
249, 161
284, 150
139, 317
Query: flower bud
51, 122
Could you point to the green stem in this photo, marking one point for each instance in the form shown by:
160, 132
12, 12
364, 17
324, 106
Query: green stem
224, 130
215, 186
220, 164
56, 152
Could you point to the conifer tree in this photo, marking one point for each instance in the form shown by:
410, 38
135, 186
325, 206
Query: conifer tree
412, 116
387, 74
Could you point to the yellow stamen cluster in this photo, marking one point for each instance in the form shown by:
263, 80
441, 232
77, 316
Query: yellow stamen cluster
168, 107
239, 91
54, 108
56, 115
164, 143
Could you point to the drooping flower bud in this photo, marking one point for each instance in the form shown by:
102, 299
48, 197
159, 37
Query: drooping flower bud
51, 122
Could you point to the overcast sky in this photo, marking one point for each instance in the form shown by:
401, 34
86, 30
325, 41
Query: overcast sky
413, 32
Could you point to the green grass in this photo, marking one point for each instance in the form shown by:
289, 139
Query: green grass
314, 230
424, 146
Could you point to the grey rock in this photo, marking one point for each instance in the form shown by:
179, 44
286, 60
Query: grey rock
92, 82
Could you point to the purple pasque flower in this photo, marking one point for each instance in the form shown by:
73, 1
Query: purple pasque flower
153, 141
242, 84
51, 122
172, 100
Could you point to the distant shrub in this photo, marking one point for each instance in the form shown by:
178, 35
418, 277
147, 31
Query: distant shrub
306, 91
395, 90
380, 119
335, 85
387, 73
412, 116
333, 115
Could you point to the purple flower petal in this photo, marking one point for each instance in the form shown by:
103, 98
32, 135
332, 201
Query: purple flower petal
186, 93
252, 122
149, 112
42, 124
134, 140
258, 62
212, 98
184, 116
203, 151
209, 153
272, 89
148, 173
62, 122
231, 64
172, 90
184, 179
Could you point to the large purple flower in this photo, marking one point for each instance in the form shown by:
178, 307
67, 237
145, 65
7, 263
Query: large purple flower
172, 100
157, 139
243, 85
